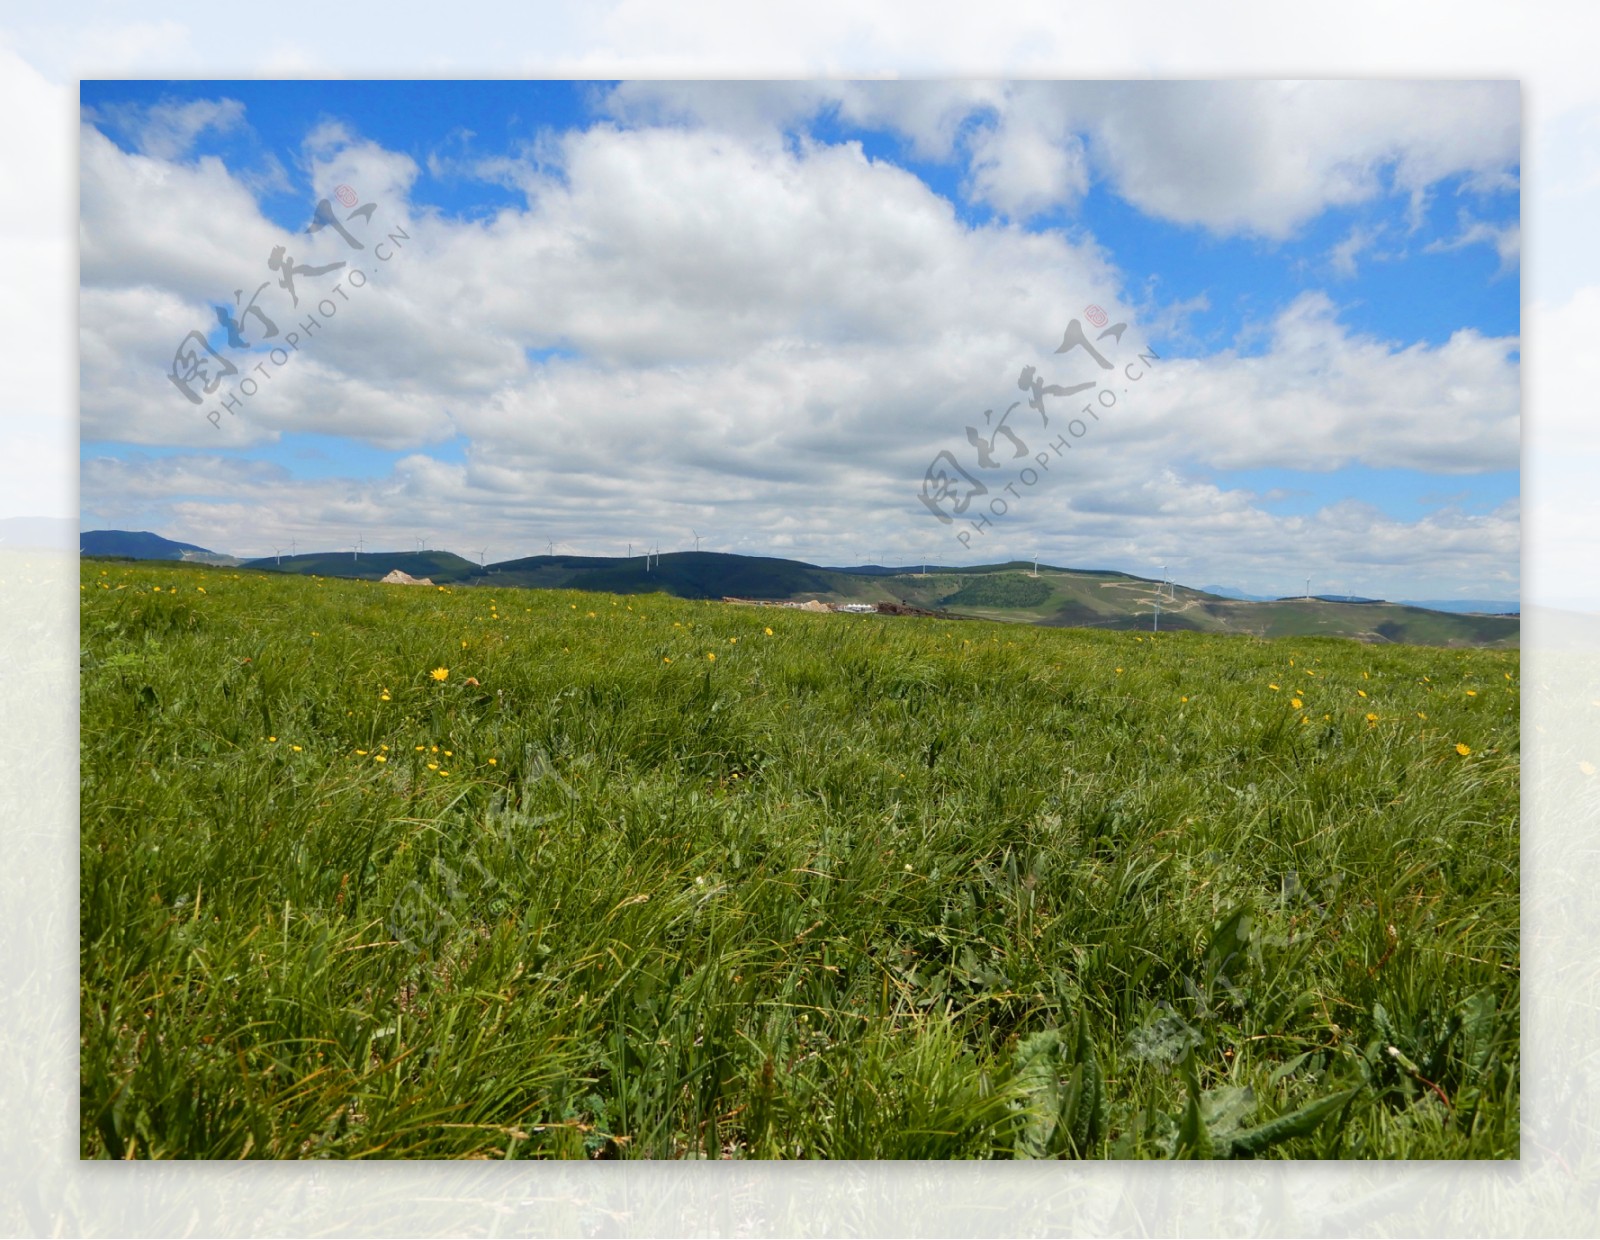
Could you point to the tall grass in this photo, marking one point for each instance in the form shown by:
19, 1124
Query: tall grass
644, 877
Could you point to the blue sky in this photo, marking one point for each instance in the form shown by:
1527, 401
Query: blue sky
762, 309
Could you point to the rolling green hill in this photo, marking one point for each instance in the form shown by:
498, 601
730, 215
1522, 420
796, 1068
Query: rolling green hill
369, 871
442, 567
1055, 598
143, 545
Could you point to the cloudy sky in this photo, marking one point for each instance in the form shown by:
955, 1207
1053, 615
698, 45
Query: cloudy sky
600, 313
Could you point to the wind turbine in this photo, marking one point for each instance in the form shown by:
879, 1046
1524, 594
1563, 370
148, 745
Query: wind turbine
481, 551
1308, 587
550, 546
292, 546
355, 551
278, 555
1035, 563
696, 540
1155, 616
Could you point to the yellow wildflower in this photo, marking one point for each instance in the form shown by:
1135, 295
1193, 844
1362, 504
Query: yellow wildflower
442, 673
1296, 703
1463, 750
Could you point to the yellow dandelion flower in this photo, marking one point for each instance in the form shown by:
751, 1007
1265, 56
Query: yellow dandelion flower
494, 761
1296, 703
1463, 750
1119, 671
444, 772
433, 766
1183, 699
442, 673
1371, 718
664, 659
1304, 719
733, 641
1361, 693
769, 632
712, 657
1420, 715
272, 738
385, 698
448, 754
378, 757
296, 748
362, 752
202, 590
1472, 693
1274, 688
420, 748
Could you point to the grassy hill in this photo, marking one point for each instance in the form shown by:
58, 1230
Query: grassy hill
684, 574
143, 545
369, 871
1056, 597
442, 567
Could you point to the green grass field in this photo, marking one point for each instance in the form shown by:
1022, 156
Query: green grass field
375, 871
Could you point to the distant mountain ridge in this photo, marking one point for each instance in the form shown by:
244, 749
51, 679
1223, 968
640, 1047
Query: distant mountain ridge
1017, 591
143, 545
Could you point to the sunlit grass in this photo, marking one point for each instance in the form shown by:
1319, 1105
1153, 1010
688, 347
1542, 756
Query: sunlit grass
392, 871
